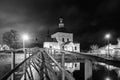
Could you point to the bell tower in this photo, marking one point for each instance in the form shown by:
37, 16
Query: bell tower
61, 24
62, 35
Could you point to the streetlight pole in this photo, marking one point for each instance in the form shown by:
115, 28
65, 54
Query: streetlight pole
108, 49
108, 36
24, 37
24, 59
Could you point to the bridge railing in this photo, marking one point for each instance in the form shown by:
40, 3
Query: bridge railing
61, 68
18, 70
38, 65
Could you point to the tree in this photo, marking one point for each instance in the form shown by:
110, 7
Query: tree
11, 38
94, 48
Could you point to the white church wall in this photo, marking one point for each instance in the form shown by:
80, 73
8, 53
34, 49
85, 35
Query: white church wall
72, 47
72, 66
68, 48
67, 37
53, 45
77, 47
60, 35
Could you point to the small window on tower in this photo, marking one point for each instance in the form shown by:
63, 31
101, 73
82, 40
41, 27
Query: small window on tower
50, 46
75, 48
75, 65
63, 47
67, 39
63, 40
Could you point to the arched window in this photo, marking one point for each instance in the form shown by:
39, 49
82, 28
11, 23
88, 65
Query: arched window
67, 39
75, 48
76, 65
63, 40
50, 46
63, 47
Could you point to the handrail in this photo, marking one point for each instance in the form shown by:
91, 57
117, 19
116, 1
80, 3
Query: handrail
68, 75
93, 58
7, 75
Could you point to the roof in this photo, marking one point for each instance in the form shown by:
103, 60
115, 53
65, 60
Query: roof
50, 40
62, 29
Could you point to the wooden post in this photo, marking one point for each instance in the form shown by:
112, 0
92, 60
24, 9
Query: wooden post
88, 70
25, 51
43, 67
13, 64
63, 63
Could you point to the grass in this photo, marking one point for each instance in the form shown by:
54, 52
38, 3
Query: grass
5, 62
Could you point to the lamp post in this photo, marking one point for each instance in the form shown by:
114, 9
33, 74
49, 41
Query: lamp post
108, 36
24, 38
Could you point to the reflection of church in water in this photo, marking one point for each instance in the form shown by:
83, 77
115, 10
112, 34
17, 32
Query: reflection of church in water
60, 37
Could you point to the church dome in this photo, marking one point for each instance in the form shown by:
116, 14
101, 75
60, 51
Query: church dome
61, 27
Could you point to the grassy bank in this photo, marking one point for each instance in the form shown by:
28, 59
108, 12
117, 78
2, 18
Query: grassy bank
5, 62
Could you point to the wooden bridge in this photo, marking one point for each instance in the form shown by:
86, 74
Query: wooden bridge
48, 64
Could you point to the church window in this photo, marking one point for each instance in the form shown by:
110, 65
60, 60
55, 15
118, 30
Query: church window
63, 40
63, 47
67, 39
75, 48
50, 46
75, 65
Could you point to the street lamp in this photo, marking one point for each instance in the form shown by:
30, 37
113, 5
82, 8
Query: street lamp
108, 36
25, 37
107, 78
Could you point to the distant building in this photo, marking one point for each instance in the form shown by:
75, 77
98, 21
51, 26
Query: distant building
62, 39
4, 47
114, 50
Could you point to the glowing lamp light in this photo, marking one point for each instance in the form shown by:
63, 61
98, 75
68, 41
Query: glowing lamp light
107, 36
107, 78
25, 37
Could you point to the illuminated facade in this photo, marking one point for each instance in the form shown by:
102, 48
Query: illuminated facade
63, 40
63, 37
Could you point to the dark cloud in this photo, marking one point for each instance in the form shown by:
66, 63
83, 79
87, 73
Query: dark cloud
84, 18
108, 7
20, 15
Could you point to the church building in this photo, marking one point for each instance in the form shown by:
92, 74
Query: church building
62, 39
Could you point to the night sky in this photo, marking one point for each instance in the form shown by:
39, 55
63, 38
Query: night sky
89, 20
